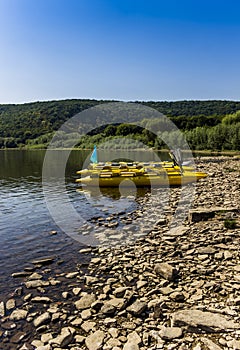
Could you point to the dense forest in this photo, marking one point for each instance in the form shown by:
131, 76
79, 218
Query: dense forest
213, 125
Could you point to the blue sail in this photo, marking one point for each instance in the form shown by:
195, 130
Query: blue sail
94, 158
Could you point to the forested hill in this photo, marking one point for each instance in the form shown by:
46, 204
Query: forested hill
21, 123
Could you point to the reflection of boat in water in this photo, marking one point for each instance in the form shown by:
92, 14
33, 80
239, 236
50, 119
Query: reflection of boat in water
140, 173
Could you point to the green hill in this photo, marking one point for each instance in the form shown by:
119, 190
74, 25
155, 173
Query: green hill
34, 123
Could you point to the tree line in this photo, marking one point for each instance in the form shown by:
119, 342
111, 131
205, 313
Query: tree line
210, 125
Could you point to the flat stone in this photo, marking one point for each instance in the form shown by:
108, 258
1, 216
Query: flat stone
166, 271
210, 344
196, 320
41, 300
18, 337
169, 333
42, 319
119, 303
85, 301
18, 314
95, 340
137, 307
88, 326
72, 274
36, 284
44, 261
20, 274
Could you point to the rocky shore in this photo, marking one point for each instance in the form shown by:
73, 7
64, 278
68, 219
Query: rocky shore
177, 289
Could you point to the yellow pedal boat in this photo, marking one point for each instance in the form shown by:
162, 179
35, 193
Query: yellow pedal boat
141, 174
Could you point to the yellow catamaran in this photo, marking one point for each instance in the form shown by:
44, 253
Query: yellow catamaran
141, 174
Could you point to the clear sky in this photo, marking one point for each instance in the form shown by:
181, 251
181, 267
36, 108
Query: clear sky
119, 49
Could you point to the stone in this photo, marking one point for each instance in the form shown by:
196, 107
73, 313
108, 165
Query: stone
20, 274
196, 320
85, 301
210, 344
18, 314
137, 307
10, 304
119, 292
18, 337
44, 261
36, 284
64, 338
72, 274
88, 326
108, 309
45, 300
35, 276
42, 319
166, 271
169, 333
2, 309
95, 340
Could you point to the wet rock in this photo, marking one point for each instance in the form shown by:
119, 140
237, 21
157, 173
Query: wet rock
44, 261
10, 304
196, 320
95, 340
20, 274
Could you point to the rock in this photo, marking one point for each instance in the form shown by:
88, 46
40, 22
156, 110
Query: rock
44, 261
18, 337
137, 307
64, 338
108, 309
72, 274
119, 292
45, 300
36, 284
166, 271
88, 326
20, 274
177, 296
35, 276
134, 337
2, 309
94, 341
85, 301
130, 346
18, 314
42, 319
118, 303
46, 337
234, 344
210, 344
169, 333
10, 304
76, 290
196, 320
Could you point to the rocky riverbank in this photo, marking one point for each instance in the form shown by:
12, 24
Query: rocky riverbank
177, 289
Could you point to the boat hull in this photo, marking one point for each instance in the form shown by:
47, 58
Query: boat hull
173, 179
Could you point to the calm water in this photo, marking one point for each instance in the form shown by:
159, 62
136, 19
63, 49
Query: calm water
25, 221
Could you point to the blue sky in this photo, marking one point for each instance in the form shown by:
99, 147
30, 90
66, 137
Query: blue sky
119, 49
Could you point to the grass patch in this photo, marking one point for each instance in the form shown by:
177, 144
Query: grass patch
230, 223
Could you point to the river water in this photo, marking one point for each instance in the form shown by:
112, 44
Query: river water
25, 222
